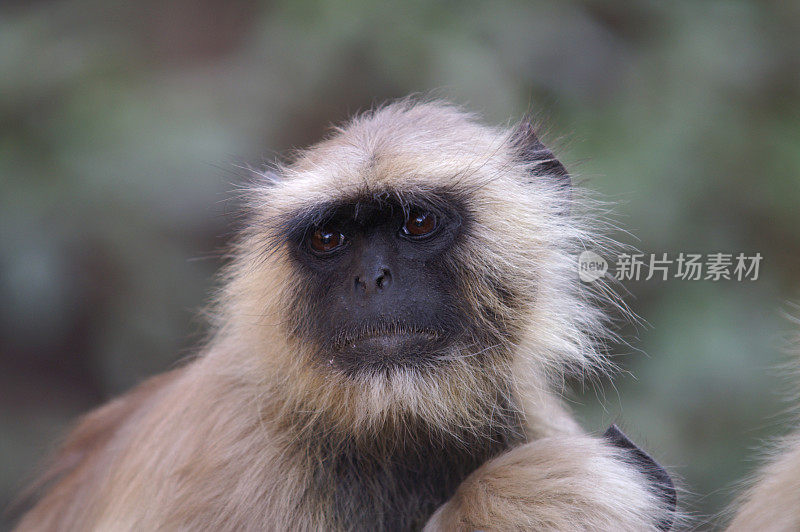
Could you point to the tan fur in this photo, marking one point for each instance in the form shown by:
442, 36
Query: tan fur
771, 501
76, 467
214, 446
574, 483
772, 504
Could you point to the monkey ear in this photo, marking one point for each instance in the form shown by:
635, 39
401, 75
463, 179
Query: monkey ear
533, 152
659, 478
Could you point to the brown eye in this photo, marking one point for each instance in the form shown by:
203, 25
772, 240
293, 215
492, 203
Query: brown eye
324, 241
420, 223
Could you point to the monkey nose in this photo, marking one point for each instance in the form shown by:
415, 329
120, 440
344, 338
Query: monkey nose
376, 282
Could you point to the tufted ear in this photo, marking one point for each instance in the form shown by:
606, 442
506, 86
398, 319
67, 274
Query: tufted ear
658, 477
533, 152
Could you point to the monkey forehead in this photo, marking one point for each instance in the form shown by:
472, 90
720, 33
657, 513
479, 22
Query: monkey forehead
402, 149
413, 174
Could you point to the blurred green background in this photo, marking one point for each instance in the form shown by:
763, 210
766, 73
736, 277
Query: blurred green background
121, 123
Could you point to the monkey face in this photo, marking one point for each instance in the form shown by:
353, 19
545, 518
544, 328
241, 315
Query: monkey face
381, 291
411, 257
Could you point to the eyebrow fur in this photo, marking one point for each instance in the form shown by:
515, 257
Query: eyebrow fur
295, 226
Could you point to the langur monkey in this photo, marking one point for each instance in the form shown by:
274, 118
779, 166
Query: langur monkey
389, 343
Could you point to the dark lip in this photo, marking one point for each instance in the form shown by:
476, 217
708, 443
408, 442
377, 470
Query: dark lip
388, 337
387, 330
382, 348
393, 341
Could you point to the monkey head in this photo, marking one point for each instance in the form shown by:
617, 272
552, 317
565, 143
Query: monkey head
413, 261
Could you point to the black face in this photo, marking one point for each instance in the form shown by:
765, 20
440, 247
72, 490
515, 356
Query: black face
381, 291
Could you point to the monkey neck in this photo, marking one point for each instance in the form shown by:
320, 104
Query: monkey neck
394, 480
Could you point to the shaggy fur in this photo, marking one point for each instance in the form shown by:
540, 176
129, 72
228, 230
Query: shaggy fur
259, 433
772, 504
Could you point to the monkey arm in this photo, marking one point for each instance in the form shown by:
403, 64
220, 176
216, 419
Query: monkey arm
564, 482
562, 479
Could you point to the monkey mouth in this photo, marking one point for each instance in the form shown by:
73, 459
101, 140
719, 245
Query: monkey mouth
385, 346
392, 341
387, 333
